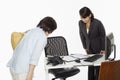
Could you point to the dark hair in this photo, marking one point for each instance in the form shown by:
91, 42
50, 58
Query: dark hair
85, 12
48, 24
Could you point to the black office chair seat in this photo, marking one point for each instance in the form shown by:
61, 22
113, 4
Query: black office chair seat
63, 73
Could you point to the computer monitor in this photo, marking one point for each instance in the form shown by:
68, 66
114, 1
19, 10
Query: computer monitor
110, 46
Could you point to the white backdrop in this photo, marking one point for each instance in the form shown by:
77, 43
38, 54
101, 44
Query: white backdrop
21, 15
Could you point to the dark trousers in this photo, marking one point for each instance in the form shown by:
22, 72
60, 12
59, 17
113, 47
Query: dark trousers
93, 72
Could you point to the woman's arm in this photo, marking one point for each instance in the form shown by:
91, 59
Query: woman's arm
102, 36
82, 35
31, 71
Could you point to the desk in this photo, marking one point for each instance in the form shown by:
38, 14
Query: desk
73, 63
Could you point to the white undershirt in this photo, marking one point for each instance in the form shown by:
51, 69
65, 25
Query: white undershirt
87, 30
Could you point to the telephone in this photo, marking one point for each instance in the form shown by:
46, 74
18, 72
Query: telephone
55, 60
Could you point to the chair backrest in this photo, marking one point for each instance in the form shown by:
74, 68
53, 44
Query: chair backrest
56, 46
110, 47
110, 70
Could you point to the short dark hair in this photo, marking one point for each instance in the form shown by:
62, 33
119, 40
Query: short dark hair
85, 12
48, 24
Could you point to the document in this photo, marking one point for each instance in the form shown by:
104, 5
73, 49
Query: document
80, 56
69, 58
74, 57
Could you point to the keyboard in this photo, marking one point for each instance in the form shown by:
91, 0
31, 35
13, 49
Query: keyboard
93, 58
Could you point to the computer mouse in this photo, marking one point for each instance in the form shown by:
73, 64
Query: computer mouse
77, 60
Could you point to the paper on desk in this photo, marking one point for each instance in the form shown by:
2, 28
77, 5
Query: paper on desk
80, 56
69, 58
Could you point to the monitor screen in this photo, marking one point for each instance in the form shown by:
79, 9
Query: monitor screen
110, 47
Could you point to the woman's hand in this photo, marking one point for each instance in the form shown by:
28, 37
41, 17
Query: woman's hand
102, 51
86, 50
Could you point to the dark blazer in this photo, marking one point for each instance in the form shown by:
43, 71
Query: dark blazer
94, 40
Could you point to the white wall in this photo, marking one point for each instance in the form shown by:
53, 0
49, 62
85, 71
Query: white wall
25, 14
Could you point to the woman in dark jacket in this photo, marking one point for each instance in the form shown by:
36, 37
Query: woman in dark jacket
92, 35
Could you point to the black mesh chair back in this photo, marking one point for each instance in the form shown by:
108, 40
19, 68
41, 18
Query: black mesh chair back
57, 46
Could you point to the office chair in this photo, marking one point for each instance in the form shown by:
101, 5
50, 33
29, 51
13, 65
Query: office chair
57, 46
110, 70
110, 47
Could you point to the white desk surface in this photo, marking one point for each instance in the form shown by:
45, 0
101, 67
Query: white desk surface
73, 63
